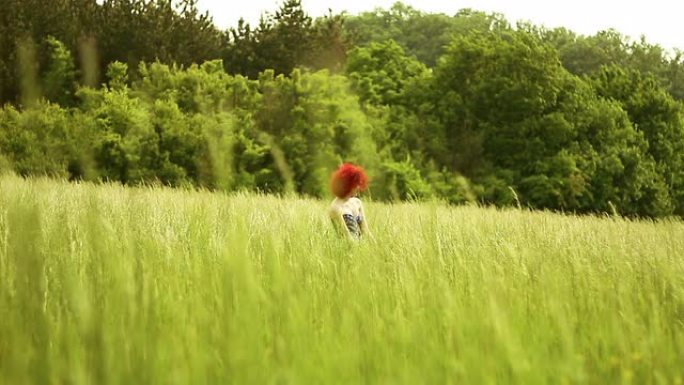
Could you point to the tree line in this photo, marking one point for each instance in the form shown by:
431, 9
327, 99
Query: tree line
465, 108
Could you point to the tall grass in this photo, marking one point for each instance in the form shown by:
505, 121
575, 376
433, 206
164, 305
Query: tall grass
114, 285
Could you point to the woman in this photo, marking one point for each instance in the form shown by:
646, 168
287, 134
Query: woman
346, 210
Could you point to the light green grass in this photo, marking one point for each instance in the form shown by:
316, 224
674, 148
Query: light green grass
114, 285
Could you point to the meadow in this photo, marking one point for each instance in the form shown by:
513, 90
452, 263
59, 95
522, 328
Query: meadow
105, 284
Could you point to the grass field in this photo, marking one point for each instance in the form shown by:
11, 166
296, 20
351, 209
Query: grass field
115, 285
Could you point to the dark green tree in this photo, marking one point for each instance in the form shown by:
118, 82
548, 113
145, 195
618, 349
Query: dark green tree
513, 117
423, 35
59, 81
280, 42
656, 115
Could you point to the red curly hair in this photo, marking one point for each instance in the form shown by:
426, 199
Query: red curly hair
346, 178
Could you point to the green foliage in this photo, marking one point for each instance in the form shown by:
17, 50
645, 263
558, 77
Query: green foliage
423, 35
461, 108
42, 140
117, 73
285, 40
60, 78
203, 127
555, 142
495, 188
404, 181
382, 73
129, 31
318, 123
330, 44
452, 187
132, 31
280, 42
499, 91
586, 55
126, 145
388, 83
657, 116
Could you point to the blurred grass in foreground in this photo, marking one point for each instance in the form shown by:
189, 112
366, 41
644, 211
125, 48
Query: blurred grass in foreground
114, 285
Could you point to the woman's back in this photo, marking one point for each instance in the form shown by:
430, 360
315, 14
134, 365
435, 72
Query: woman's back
351, 212
341, 206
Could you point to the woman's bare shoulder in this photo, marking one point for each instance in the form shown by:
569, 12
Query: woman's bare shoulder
335, 208
355, 201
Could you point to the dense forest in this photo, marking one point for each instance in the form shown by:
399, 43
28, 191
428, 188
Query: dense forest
464, 108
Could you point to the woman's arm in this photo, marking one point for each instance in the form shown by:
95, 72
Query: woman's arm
364, 222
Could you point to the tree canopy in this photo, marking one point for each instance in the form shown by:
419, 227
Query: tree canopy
464, 107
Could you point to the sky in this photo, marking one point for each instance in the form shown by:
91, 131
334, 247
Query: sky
660, 21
